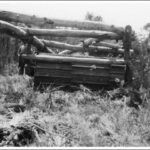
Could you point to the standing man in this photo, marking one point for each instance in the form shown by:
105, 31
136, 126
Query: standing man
24, 48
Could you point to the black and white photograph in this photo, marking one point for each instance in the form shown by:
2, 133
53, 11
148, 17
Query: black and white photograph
75, 74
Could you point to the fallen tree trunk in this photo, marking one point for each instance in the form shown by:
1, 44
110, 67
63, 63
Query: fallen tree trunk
39, 21
101, 35
22, 35
80, 48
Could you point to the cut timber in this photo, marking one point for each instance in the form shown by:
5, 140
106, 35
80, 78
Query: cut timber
16, 32
80, 48
16, 107
88, 25
38, 21
10, 29
127, 42
127, 39
96, 42
101, 35
27, 19
65, 69
62, 59
110, 45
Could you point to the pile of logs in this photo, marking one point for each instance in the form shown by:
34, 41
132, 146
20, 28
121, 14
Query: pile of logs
94, 33
95, 37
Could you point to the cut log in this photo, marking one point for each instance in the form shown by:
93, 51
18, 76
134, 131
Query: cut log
22, 35
64, 52
38, 21
101, 35
127, 45
90, 41
98, 42
110, 45
27, 19
62, 59
80, 48
8, 28
95, 42
88, 25
127, 42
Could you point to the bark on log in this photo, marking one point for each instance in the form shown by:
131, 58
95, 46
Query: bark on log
80, 48
22, 35
23, 18
110, 45
39, 21
90, 41
61, 59
88, 25
64, 52
101, 35
97, 42
127, 39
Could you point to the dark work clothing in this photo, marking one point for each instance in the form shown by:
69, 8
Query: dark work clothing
21, 65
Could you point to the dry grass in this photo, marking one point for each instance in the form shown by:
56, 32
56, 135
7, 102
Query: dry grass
59, 118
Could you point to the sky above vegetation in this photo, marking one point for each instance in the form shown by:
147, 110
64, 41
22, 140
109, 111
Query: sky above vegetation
119, 13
